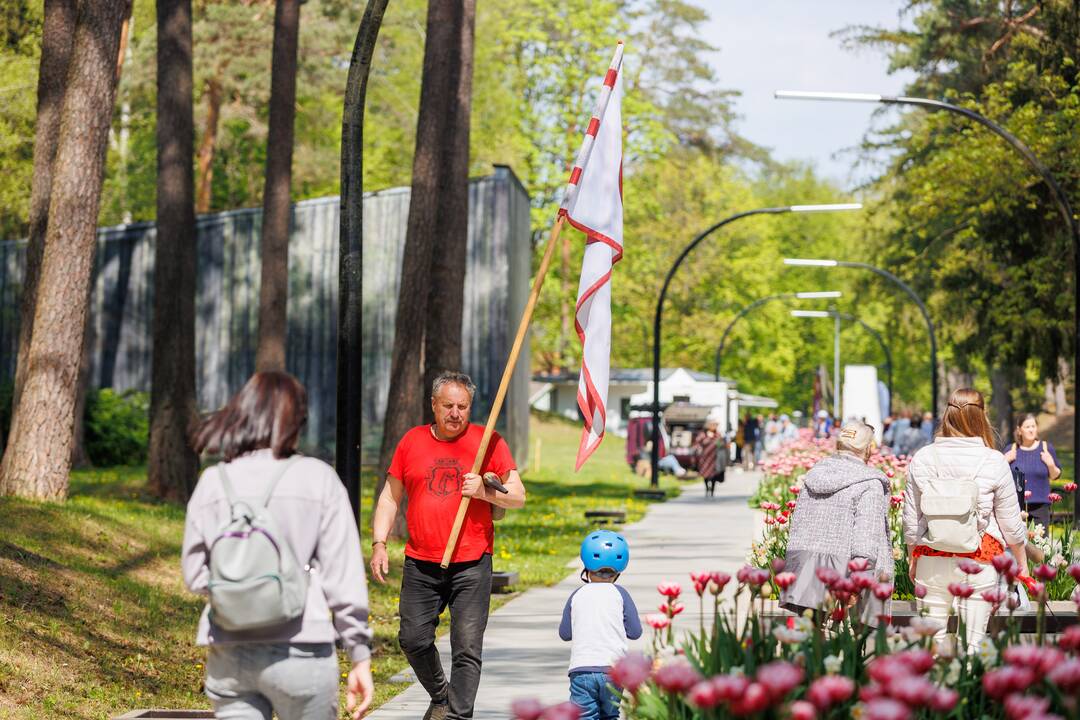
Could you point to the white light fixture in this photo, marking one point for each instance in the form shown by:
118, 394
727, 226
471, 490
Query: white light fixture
819, 294
811, 261
832, 207
811, 313
836, 96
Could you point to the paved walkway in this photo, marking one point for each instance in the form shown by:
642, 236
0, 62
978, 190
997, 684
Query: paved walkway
523, 656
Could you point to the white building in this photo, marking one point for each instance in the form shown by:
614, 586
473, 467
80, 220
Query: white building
633, 388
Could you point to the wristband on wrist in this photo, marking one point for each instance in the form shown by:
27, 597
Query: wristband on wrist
378, 542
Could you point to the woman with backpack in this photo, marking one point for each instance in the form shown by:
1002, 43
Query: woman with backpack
960, 503
1038, 461
271, 541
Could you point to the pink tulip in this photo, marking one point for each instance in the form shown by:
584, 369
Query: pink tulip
862, 580
562, 711
657, 621
1020, 707
704, 695
785, 580
883, 591
717, 581
778, 565
1066, 675
1027, 494
1039, 659
631, 671
1070, 639
969, 566
699, 577
995, 596
1046, 573
1054, 497
676, 676
672, 609
830, 690
791, 504
913, 690
896, 500
827, 575
779, 678
944, 700
753, 700
1074, 572
960, 590
802, 710
886, 709
781, 520
669, 589
527, 709
1003, 562
1069, 487
1005, 680
857, 565
795, 489
920, 591
730, 687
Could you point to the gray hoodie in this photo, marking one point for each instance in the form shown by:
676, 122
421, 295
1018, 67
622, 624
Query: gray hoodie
841, 514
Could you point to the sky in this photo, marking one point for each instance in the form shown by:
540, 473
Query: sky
768, 45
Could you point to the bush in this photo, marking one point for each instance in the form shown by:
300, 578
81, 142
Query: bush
117, 427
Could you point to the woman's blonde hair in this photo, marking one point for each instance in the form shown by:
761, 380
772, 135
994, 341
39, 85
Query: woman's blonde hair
965, 416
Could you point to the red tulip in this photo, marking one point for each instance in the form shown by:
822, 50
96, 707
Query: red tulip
631, 671
704, 695
672, 609
1074, 572
1069, 487
944, 700
1070, 639
896, 500
801, 710
1054, 497
527, 709
960, 590
676, 676
1020, 707
753, 700
669, 589
1005, 680
730, 687
791, 504
699, 577
785, 580
795, 489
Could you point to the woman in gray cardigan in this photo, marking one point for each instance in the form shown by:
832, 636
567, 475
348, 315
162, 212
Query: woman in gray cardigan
841, 515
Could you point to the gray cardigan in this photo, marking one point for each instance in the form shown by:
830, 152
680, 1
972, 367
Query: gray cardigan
312, 510
841, 514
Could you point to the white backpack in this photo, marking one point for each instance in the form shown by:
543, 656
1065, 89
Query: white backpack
951, 508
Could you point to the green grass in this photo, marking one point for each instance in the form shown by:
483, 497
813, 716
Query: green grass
94, 618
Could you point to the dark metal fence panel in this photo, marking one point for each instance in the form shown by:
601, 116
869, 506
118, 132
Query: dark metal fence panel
227, 302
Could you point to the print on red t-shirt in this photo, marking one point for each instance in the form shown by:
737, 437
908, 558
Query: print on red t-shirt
432, 471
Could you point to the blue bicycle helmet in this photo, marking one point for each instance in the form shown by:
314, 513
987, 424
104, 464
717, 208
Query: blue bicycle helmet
605, 549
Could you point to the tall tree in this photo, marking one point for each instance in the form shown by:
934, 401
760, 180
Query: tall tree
172, 464
274, 288
446, 298
38, 458
56, 39
432, 194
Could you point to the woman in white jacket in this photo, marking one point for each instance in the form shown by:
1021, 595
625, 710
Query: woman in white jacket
962, 449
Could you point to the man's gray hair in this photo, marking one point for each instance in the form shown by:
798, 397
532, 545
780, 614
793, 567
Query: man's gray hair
453, 378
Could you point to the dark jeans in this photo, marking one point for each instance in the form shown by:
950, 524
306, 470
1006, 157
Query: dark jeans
1040, 513
426, 590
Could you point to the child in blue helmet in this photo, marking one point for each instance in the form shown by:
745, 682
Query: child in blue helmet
598, 619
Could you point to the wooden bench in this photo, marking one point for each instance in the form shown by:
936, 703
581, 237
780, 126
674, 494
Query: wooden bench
165, 714
502, 581
601, 517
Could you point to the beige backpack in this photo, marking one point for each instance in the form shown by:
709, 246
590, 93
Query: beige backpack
951, 508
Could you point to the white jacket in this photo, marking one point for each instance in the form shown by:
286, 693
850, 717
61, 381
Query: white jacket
999, 511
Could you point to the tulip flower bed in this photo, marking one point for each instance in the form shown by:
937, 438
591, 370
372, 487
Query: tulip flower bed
753, 667
779, 491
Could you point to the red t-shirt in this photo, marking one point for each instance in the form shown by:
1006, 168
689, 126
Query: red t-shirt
432, 470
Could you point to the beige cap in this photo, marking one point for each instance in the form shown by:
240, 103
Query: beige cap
855, 437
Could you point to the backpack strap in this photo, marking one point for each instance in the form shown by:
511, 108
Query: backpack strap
230, 496
277, 476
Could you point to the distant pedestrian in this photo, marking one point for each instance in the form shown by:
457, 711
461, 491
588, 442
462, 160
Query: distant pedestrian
772, 435
598, 619
824, 424
1038, 461
840, 516
710, 451
261, 660
927, 426
751, 430
788, 431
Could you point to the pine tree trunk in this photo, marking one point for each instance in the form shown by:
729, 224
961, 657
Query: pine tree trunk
439, 92
208, 146
56, 40
38, 458
172, 466
274, 248
1001, 385
446, 299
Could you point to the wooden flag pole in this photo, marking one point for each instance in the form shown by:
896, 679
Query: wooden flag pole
504, 384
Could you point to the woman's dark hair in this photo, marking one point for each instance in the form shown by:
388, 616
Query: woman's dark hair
1020, 420
268, 412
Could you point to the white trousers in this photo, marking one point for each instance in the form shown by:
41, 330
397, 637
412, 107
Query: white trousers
935, 573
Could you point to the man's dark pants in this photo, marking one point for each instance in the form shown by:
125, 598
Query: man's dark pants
426, 590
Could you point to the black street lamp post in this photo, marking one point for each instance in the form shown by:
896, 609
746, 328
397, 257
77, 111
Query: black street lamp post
654, 480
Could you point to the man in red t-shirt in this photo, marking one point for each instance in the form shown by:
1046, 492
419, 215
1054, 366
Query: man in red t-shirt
431, 466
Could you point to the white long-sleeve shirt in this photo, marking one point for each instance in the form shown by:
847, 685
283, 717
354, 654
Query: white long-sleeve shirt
312, 511
999, 511
598, 618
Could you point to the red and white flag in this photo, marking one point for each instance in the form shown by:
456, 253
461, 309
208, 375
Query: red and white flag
593, 205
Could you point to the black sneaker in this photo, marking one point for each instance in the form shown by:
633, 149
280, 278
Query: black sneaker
437, 711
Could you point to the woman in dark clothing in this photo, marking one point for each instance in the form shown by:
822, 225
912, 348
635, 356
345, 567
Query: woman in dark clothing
1039, 462
710, 449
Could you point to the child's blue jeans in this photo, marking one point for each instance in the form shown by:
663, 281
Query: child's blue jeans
591, 691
